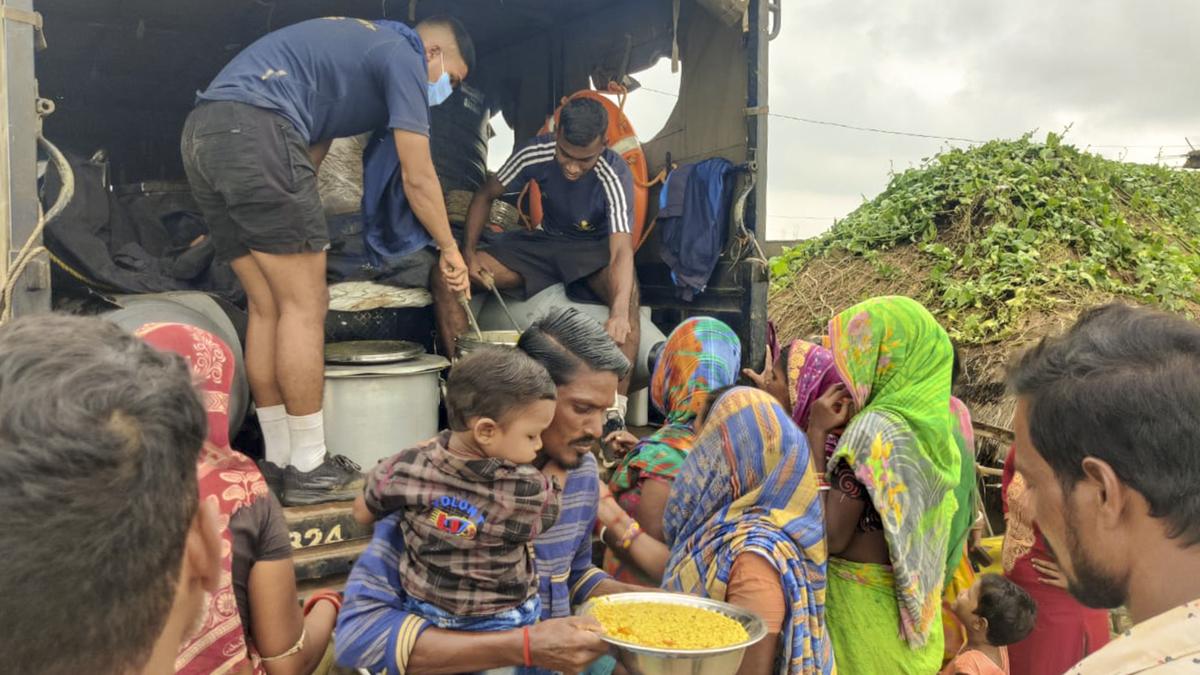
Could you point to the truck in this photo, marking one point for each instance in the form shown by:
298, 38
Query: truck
113, 80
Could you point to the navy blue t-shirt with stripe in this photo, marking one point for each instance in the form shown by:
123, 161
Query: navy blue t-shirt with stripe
600, 202
333, 77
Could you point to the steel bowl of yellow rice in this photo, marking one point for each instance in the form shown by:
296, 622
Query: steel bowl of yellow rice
674, 634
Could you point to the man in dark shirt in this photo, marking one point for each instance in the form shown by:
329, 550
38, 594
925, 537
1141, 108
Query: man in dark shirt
251, 149
586, 234
108, 552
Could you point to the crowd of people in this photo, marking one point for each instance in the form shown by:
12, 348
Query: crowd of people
834, 497
827, 499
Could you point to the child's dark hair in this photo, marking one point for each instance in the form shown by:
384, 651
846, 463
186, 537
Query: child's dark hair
1009, 610
491, 383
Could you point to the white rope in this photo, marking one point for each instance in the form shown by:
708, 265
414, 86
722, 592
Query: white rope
31, 248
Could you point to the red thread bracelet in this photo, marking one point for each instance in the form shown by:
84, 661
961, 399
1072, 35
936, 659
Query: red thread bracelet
525, 650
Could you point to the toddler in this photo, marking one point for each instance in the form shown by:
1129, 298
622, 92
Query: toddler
470, 502
996, 613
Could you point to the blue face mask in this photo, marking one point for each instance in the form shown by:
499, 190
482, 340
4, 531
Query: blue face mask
441, 89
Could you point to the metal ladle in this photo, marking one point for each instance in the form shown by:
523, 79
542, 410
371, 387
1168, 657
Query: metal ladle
491, 284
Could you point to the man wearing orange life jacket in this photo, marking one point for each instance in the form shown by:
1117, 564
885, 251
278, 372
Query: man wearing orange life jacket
585, 240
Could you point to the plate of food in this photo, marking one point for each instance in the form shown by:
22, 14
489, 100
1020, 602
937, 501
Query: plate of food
675, 634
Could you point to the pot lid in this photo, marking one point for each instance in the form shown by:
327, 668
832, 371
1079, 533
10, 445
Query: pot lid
372, 351
425, 363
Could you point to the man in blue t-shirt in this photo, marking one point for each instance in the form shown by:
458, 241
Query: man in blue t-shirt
251, 149
585, 237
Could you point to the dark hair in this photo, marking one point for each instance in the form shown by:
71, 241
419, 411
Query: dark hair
1122, 385
492, 382
466, 46
955, 366
582, 121
714, 396
99, 437
565, 339
785, 353
1009, 610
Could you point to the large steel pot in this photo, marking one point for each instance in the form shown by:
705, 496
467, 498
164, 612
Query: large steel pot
639, 660
374, 410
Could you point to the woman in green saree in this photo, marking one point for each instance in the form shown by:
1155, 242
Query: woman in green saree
890, 486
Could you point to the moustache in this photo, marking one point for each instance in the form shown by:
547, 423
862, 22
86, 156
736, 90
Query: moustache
585, 441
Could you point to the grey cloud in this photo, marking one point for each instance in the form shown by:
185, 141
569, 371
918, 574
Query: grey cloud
1120, 71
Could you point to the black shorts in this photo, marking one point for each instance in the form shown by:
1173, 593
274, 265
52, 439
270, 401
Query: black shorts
253, 180
543, 259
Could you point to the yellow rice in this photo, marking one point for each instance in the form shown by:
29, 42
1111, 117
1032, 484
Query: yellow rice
667, 626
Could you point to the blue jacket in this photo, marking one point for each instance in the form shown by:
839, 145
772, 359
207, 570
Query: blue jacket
693, 209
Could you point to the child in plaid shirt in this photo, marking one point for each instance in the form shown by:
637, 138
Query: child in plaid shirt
470, 502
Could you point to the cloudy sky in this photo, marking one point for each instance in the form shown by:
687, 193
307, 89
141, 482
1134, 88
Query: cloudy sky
1120, 73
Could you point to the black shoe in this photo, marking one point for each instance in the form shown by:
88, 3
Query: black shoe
273, 474
336, 479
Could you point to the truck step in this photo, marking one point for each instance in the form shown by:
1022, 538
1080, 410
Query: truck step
328, 560
323, 524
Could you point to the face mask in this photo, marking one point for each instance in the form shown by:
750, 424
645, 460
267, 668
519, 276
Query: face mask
441, 89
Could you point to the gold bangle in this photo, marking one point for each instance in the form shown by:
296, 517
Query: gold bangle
296, 649
632, 532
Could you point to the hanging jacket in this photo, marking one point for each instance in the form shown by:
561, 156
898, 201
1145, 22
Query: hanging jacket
693, 215
391, 230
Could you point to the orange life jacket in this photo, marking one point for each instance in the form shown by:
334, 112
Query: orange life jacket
622, 140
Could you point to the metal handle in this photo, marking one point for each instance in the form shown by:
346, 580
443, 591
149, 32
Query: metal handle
491, 284
466, 305
775, 9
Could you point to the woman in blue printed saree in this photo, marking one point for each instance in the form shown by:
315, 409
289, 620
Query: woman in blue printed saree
890, 493
745, 525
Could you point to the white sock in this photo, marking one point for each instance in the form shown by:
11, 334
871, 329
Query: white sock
308, 440
278, 442
622, 404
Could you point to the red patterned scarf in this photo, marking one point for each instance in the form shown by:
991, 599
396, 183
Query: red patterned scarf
228, 479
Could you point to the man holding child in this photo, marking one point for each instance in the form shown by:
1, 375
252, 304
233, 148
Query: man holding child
385, 625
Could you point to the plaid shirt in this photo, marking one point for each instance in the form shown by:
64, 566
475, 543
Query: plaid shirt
377, 632
468, 525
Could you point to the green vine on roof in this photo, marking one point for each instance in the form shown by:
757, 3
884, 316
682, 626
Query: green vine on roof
1014, 224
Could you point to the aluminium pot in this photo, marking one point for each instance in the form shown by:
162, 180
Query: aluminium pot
469, 342
373, 411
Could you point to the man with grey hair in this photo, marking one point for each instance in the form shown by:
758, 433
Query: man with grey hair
374, 633
107, 554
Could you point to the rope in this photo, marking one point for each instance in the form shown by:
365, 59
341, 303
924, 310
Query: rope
31, 249
521, 197
661, 177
